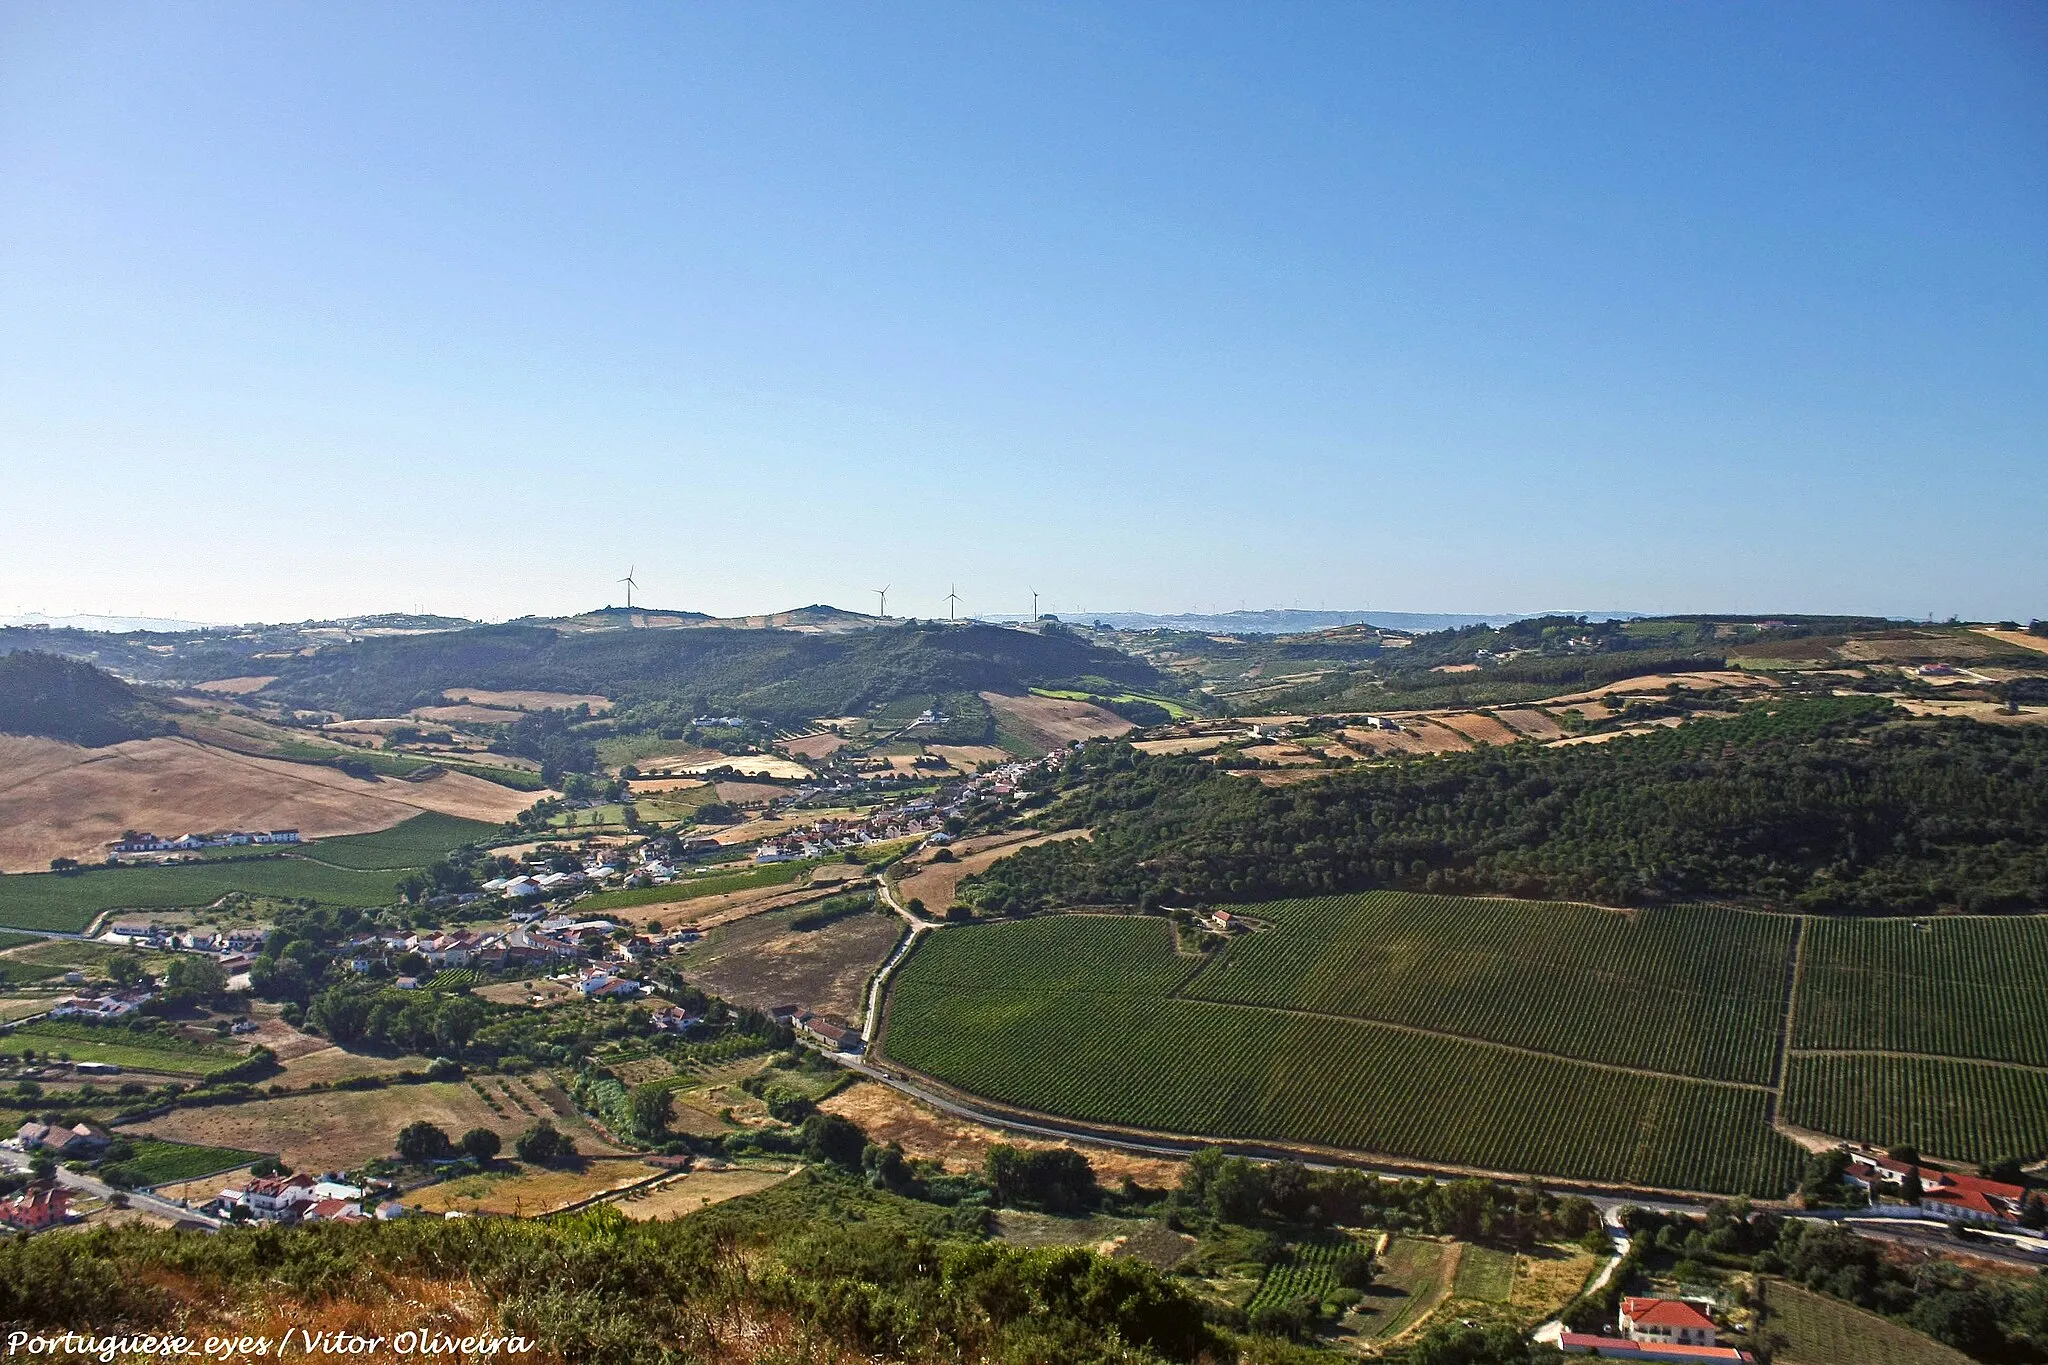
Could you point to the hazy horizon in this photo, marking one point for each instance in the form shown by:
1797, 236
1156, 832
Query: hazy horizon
1465, 308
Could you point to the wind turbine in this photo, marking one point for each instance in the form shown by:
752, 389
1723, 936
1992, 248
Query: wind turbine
630, 585
883, 594
1034, 604
952, 603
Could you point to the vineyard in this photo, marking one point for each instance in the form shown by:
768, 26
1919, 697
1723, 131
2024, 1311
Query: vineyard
1307, 1276
1072, 1015
1693, 990
1967, 1110
1556, 1039
1955, 987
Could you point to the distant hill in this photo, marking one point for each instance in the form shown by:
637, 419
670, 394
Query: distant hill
783, 675
49, 696
1290, 622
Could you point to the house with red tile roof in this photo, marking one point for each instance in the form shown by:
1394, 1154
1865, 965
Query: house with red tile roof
1621, 1348
34, 1210
1669, 1321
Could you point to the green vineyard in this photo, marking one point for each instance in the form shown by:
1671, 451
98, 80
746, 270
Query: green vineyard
1955, 987
1140, 1056
1308, 1276
1560, 1040
1693, 990
1967, 1110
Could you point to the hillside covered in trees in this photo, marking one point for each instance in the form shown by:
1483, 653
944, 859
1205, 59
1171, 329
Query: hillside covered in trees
58, 698
1823, 804
773, 674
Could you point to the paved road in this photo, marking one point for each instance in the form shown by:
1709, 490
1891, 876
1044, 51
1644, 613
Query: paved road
139, 1199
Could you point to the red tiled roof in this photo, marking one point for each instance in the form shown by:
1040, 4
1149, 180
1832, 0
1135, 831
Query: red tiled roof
1581, 1342
1673, 1313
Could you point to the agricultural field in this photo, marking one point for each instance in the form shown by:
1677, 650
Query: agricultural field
154, 1052
765, 960
1804, 1328
45, 959
161, 1163
337, 1130
1309, 1272
1076, 1015
1953, 986
1485, 1274
1968, 1111
695, 1190
1031, 726
938, 884
1691, 990
1414, 1277
350, 870
60, 800
693, 888
516, 1190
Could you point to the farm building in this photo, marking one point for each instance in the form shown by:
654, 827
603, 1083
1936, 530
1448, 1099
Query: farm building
81, 1139
1672, 1321
1944, 1194
834, 1032
1621, 1348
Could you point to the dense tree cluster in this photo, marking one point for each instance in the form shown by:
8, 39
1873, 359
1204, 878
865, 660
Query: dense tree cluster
1824, 804
60, 698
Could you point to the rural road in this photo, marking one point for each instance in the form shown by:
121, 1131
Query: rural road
872, 1020
85, 1184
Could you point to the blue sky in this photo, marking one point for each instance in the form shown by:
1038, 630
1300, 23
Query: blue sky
308, 310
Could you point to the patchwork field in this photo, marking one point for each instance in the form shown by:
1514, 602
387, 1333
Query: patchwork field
59, 800
1043, 724
1561, 1040
530, 701
519, 1191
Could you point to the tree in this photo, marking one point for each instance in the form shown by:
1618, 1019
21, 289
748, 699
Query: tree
342, 1014
423, 1143
481, 1144
197, 975
835, 1139
650, 1105
457, 1023
125, 969
542, 1144
63, 865
2034, 1213
1910, 1188
1057, 1180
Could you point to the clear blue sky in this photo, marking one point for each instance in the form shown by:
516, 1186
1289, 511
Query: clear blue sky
312, 309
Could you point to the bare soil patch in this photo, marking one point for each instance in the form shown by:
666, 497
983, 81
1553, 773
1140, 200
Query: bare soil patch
1052, 723
1530, 724
237, 687
336, 1130
1703, 681
2019, 638
708, 912
1290, 755
891, 1116
338, 1064
968, 757
540, 992
747, 793
746, 765
1479, 729
814, 746
60, 800
529, 701
465, 715
762, 962
695, 1190
936, 884
529, 1191
1186, 744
